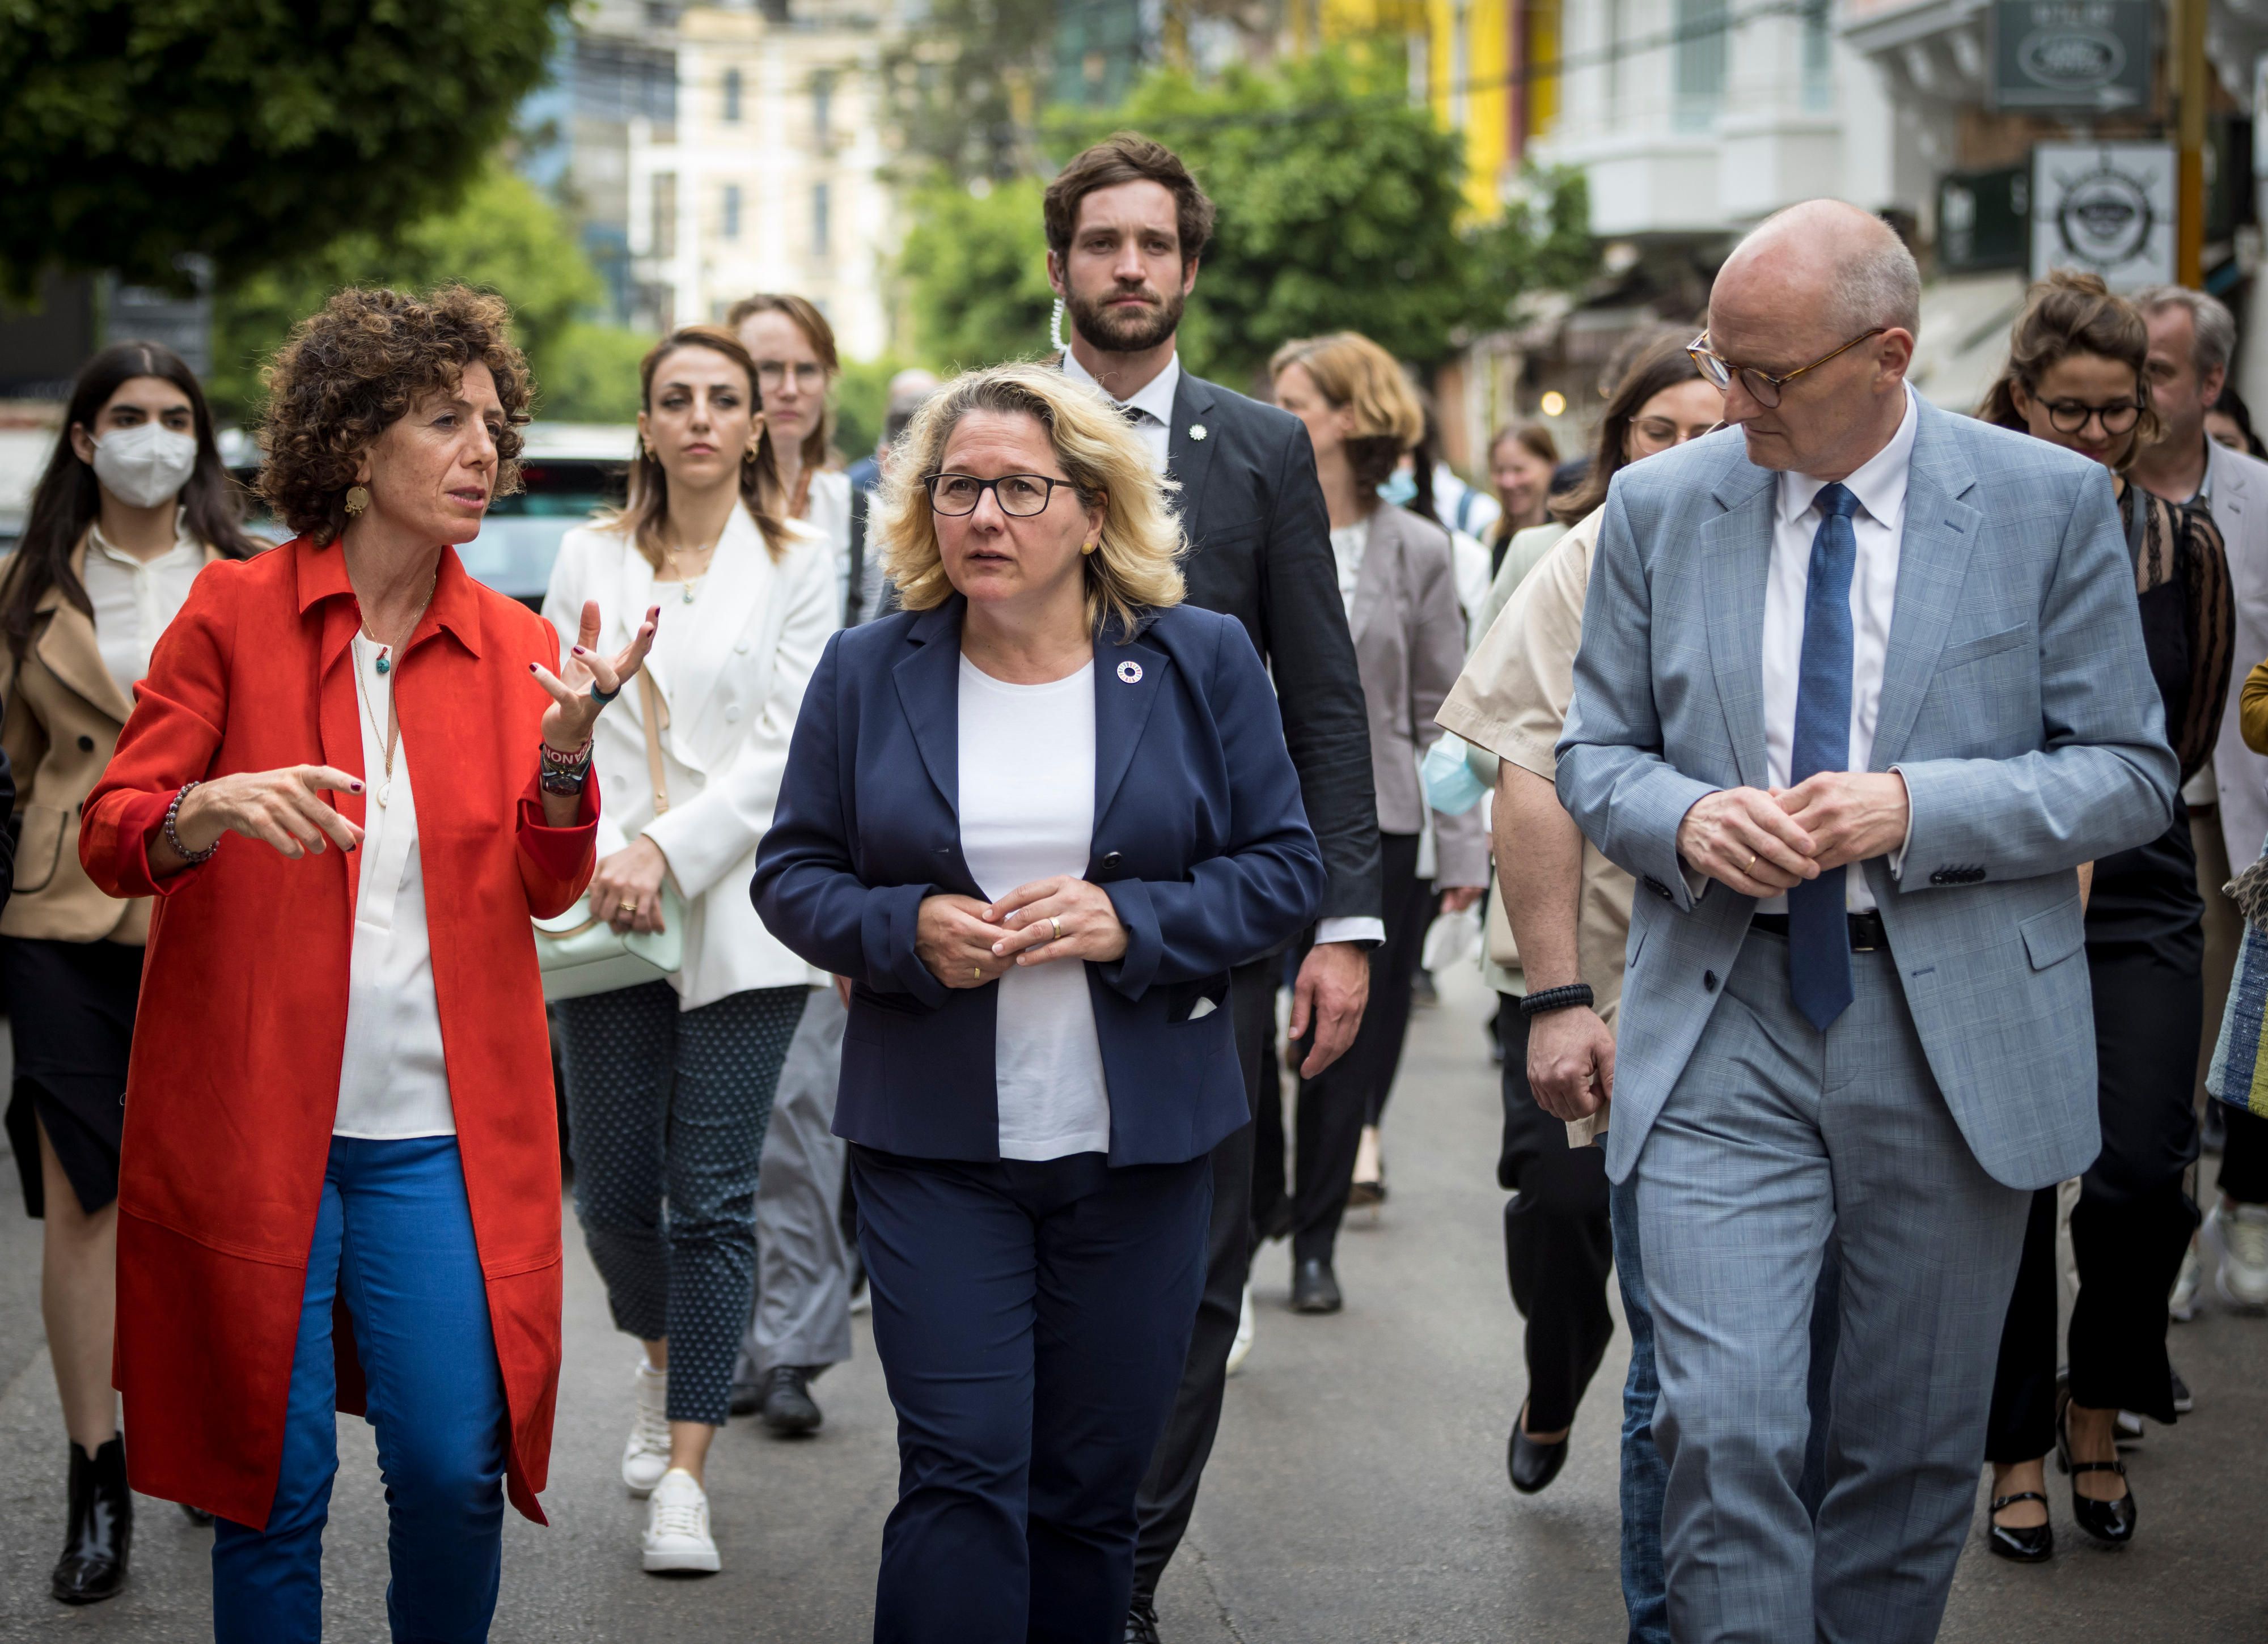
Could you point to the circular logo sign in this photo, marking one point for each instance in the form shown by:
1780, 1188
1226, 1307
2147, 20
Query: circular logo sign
2071, 59
2105, 217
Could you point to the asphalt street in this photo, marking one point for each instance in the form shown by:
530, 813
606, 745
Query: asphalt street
1357, 1493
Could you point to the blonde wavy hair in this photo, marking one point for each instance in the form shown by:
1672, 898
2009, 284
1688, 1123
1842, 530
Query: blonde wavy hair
1353, 372
1135, 565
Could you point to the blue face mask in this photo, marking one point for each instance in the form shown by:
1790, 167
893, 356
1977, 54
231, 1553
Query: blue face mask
1402, 488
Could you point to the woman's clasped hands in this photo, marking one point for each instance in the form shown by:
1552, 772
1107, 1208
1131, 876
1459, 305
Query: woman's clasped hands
966, 943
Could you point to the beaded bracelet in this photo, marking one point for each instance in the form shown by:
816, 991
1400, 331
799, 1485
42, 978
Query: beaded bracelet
175, 839
563, 773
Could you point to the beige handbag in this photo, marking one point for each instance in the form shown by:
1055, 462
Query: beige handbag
580, 953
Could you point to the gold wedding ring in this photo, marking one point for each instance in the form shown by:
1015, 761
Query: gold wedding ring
628, 906
975, 972
1751, 862
1054, 925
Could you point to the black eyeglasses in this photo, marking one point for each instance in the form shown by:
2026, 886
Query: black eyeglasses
1021, 494
1763, 386
2069, 416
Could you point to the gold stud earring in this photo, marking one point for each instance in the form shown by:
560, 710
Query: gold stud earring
1089, 548
358, 499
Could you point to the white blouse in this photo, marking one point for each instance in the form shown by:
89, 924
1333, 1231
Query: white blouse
392, 1082
1027, 782
136, 600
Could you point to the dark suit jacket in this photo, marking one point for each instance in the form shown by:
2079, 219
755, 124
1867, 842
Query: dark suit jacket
1199, 840
1260, 552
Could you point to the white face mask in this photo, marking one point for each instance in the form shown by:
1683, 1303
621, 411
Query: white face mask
145, 465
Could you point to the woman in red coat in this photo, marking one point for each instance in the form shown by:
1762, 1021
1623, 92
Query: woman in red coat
339, 1184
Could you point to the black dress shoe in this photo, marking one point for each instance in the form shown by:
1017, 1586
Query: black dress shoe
93, 1565
2029, 1544
2110, 1522
788, 1406
1141, 1622
1314, 1288
1532, 1465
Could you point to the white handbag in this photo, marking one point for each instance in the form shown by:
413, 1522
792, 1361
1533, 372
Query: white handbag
580, 953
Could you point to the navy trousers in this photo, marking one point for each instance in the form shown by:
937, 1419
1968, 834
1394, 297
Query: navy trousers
1032, 1320
393, 1237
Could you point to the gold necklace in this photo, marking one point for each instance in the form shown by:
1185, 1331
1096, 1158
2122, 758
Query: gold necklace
391, 736
691, 585
385, 650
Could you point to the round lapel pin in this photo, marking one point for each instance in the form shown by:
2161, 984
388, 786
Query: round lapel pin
1196, 430
1130, 672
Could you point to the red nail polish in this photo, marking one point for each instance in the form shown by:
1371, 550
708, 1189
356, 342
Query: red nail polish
354, 788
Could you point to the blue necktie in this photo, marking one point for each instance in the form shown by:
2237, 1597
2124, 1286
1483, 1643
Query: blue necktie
1818, 932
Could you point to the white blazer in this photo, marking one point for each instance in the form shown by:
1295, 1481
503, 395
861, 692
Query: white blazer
731, 690
2239, 485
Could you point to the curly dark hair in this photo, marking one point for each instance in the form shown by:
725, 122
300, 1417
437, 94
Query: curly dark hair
353, 370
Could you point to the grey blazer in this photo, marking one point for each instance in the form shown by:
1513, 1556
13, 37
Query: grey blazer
2238, 489
2017, 704
1409, 647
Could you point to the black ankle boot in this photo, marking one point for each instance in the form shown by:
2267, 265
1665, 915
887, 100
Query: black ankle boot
93, 1565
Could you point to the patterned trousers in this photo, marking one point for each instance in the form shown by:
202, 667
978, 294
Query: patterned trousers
666, 1115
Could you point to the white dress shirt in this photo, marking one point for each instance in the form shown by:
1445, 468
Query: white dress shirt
393, 1082
1026, 786
1878, 526
136, 600
1154, 399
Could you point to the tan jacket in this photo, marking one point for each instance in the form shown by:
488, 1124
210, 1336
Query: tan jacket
63, 714
1408, 642
1512, 699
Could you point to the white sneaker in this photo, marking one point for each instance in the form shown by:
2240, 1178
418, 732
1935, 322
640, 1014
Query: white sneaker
1239, 1349
646, 1456
677, 1525
2240, 1242
2183, 1303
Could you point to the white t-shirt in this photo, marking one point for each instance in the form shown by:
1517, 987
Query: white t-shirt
136, 600
392, 1082
1028, 812
1350, 544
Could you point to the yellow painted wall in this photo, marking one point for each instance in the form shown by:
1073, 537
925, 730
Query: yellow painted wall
1469, 90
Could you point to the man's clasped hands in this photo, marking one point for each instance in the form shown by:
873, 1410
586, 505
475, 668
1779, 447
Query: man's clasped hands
1762, 841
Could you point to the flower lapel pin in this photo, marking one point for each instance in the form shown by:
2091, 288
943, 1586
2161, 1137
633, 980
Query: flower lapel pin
1196, 430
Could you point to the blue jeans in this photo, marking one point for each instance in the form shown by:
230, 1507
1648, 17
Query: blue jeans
393, 1239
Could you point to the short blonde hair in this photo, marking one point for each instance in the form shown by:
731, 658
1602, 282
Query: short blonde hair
1353, 372
1135, 565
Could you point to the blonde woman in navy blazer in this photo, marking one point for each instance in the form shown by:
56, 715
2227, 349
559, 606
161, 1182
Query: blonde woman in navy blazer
1029, 1143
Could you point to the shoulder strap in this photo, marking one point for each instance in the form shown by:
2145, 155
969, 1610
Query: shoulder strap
650, 710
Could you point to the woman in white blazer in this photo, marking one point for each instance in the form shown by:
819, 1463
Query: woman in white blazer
670, 1084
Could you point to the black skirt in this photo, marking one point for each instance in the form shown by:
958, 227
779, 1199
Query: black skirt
70, 1010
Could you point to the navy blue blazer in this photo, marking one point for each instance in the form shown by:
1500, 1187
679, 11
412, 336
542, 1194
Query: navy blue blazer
1200, 840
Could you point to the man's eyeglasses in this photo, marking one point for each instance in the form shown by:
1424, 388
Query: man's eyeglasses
773, 373
1021, 494
1761, 386
2069, 416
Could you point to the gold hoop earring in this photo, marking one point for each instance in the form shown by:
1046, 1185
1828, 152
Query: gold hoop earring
358, 499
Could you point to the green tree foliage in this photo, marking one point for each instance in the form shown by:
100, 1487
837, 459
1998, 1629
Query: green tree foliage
976, 265
133, 131
960, 87
1341, 208
503, 236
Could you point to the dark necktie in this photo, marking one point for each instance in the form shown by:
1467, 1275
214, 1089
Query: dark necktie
1818, 932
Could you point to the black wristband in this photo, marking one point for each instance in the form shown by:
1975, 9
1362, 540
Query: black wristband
1557, 998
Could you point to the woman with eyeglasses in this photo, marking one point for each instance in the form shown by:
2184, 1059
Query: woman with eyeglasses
2076, 376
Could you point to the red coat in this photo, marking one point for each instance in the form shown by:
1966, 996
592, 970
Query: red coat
235, 1075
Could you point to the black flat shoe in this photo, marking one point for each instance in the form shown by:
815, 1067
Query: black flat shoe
788, 1407
2029, 1544
93, 1565
1532, 1465
1141, 1623
2109, 1523
1316, 1288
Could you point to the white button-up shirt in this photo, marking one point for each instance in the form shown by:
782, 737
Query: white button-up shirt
1878, 526
136, 600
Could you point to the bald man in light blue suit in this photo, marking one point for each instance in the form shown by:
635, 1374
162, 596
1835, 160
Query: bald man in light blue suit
1870, 691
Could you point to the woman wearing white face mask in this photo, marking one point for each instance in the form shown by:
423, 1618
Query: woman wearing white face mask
133, 505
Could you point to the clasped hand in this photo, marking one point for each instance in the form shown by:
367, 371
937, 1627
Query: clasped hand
966, 943
1765, 841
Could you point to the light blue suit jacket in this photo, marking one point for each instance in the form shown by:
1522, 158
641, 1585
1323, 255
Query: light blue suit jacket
2017, 703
